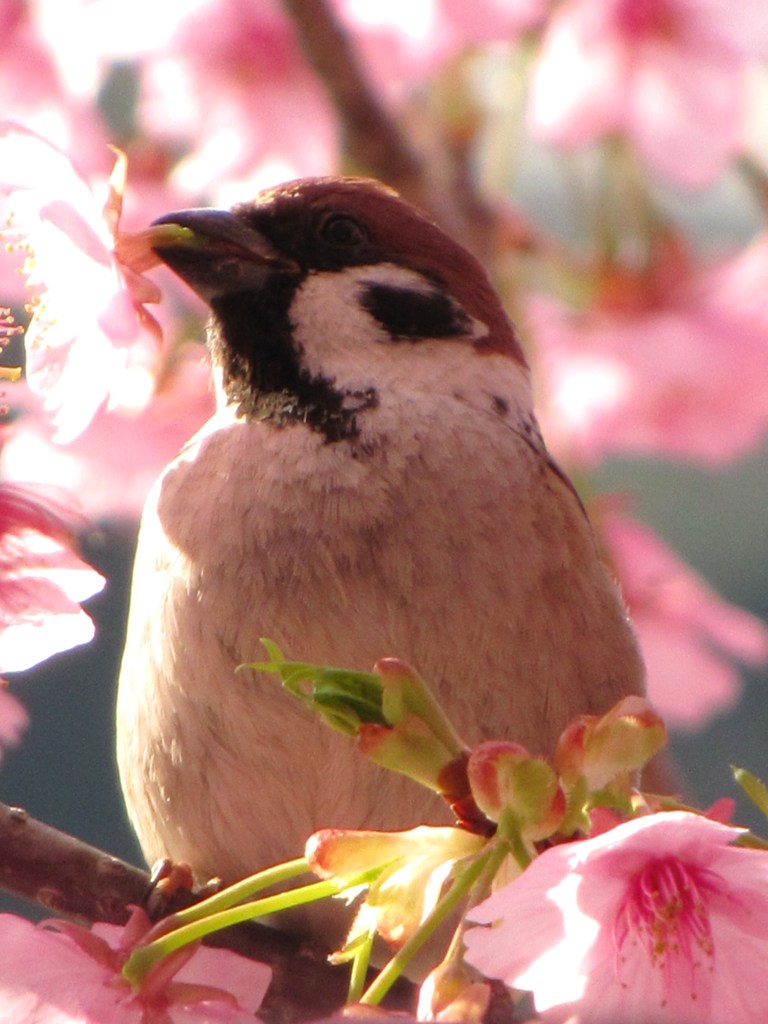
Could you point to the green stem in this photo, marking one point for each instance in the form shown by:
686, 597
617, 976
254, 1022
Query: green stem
482, 887
233, 894
359, 972
444, 908
142, 959
519, 850
510, 834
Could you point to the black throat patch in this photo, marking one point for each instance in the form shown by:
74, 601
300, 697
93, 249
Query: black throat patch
250, 337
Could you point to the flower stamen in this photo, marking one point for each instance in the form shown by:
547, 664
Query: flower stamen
666, 911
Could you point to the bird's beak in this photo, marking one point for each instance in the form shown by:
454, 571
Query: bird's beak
215, 253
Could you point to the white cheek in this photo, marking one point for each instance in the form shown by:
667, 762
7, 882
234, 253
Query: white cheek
344, 343
335, 331
336, 335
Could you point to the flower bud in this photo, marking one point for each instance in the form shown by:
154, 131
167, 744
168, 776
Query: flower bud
506, 780
608, 748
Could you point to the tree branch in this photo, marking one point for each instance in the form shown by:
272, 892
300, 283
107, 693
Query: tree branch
372, 137
377, 142
68, 877
63, 874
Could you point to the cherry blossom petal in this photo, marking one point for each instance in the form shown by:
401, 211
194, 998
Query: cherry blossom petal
658, 920
244, 980
680, 373
13, 719
33, 90
687, 116
414, 866
669, 73
42, 580
688, 635
403, 41
578, 48
88, 328
71, 976
199, 89
113, 463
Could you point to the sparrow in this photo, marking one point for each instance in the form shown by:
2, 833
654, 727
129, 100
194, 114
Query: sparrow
373, 482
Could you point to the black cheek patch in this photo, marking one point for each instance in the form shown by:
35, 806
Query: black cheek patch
407, 315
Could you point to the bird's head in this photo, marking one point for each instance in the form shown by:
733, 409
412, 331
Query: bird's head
329, 294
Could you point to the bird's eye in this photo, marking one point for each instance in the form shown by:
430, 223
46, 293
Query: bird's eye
341, 229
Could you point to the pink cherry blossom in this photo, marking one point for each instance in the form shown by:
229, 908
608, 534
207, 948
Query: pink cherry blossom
660, 920
33, 90
403, 41
113, 463
119, 30
61, 974
413, 867
676, 368
233, 86
688, 635
89, 325
671, 74
489, 20
13, 719
42, 580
